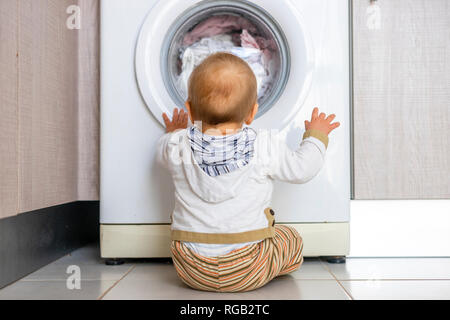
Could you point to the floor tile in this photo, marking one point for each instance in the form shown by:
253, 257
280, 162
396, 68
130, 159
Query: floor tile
141, 284
92, 267
86, 255
391, 268
288, 288
398, 289
312, 270
137, 289
153, 271
54, 290
87, 272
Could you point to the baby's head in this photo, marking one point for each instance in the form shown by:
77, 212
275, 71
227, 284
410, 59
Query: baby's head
222, 89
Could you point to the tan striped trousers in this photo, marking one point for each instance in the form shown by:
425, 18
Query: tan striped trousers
244, 269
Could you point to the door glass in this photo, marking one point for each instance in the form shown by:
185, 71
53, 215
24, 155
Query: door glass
239, 28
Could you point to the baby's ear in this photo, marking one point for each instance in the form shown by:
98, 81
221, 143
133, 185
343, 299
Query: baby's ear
252, 114
187, 104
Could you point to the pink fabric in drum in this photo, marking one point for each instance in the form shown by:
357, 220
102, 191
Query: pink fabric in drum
247, 41
216, 25
229, 24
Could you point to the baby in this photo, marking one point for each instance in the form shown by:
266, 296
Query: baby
224, 236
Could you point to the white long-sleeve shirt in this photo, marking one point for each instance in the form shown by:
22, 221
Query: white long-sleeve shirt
233, 202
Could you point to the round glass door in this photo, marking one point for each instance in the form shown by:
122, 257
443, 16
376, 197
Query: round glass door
237, 27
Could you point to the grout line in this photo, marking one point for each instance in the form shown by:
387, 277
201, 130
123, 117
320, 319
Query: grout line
60, 280
18, 142
397, 279
339, 283
115, 283
386, 258
351, 99
302, 279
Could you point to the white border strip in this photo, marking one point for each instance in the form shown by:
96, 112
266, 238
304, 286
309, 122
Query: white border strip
400, 228
151, 241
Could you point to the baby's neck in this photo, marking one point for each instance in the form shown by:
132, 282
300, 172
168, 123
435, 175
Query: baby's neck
221, 129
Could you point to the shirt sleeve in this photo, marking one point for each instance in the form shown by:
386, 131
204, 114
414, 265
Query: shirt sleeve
301, 165
162, 152
167, 153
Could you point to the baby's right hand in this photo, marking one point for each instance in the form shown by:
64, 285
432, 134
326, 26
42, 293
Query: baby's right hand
179, 120
319, 122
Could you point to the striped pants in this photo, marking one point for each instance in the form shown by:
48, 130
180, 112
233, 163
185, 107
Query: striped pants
243, 269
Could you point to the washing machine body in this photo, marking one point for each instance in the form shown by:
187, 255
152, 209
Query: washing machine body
141, 41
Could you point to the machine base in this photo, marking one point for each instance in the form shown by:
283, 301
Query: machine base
335, 260
153, 240
114, 262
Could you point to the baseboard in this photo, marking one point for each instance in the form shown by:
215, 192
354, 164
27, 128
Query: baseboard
400, 228
34, 239
153, 241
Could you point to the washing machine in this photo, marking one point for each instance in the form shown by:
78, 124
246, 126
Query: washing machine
141, 45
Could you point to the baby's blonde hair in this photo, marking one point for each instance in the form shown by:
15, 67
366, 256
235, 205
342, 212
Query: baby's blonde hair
222, 89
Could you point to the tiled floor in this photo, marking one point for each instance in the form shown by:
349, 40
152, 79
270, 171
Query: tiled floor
388, 278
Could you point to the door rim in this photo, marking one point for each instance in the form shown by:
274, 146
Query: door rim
154, 99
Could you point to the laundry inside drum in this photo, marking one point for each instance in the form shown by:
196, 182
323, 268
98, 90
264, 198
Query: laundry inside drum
251, 36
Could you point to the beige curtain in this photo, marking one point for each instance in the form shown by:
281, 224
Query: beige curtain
402, 99
49, 105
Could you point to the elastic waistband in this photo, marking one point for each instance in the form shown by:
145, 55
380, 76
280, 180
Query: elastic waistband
224, 238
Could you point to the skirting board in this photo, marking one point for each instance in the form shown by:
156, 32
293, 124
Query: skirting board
31, 240
153, 240
400, 228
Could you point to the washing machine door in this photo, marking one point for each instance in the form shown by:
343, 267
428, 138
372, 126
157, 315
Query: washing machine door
170, 28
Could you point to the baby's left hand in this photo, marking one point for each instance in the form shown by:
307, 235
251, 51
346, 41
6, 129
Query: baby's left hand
321, 122
179, 120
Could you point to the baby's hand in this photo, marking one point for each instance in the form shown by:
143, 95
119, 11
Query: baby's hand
179, 120
319, 122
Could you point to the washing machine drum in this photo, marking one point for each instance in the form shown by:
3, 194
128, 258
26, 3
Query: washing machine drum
177, 35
